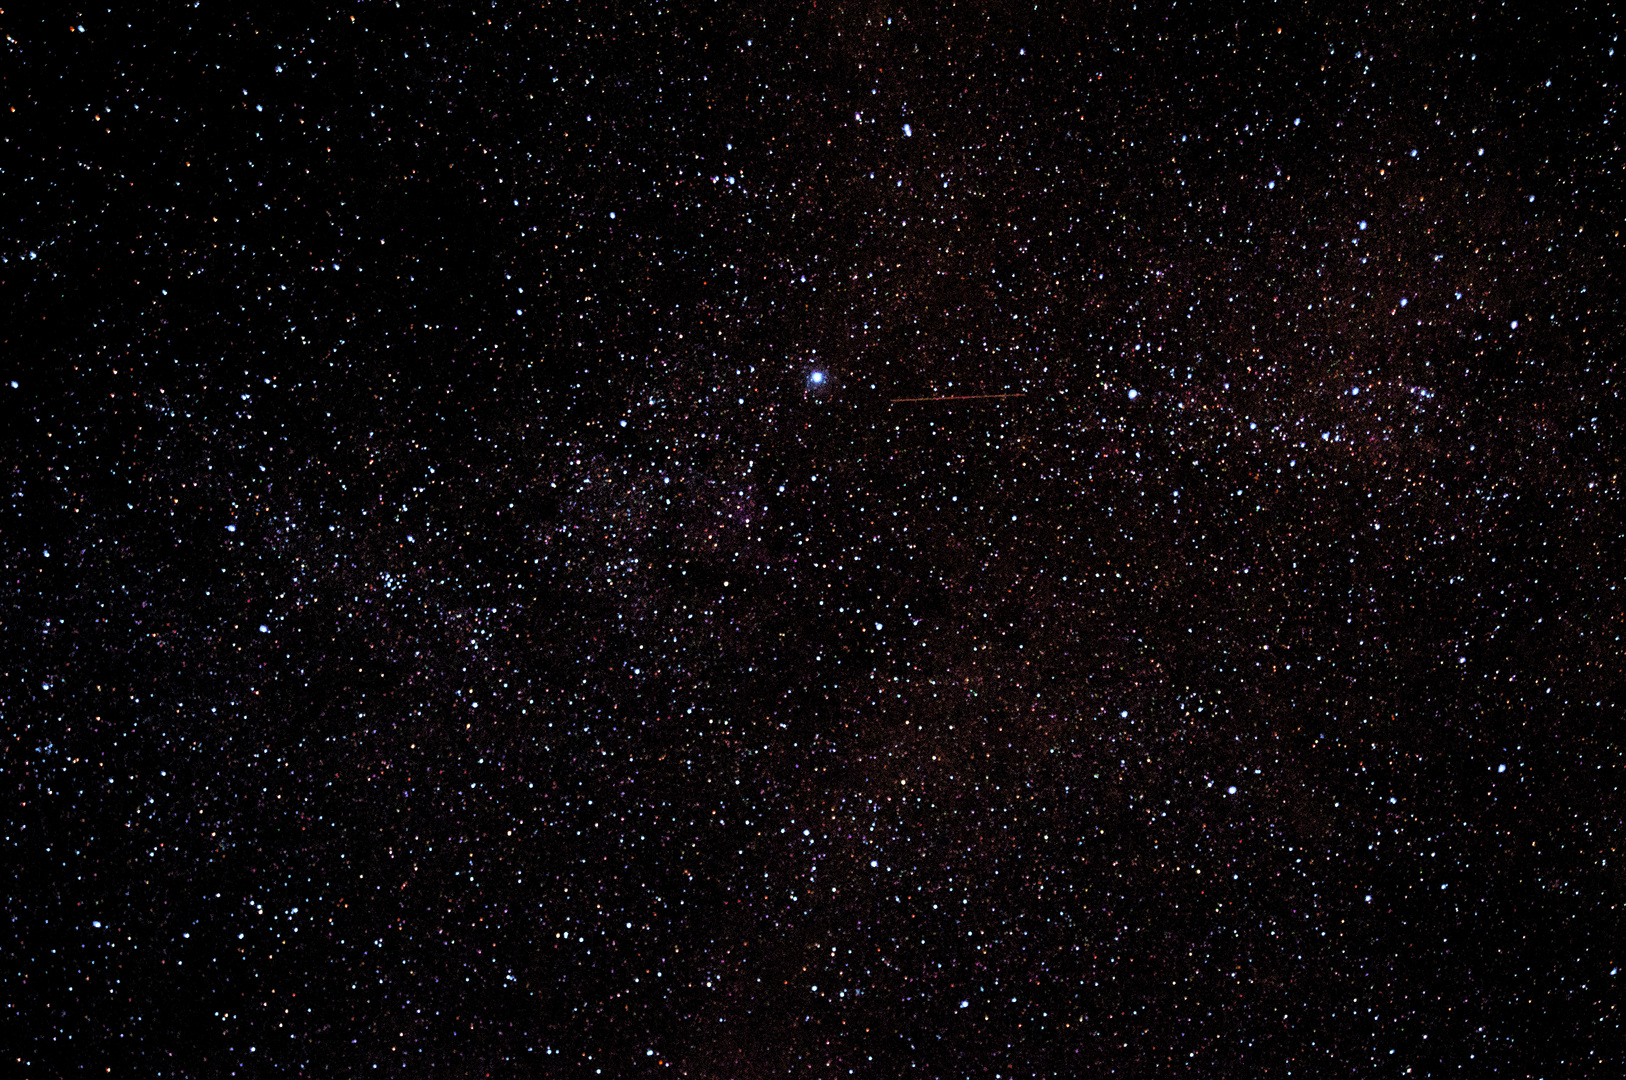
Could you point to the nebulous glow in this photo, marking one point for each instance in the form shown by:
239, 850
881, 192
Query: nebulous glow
443, 640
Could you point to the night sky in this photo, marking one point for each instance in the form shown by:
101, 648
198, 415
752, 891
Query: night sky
812, 540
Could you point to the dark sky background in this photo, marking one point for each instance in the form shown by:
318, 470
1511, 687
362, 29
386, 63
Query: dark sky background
474, 605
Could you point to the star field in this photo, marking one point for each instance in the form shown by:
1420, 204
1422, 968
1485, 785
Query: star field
830, 540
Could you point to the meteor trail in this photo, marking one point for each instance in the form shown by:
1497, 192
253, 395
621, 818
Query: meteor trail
958, 397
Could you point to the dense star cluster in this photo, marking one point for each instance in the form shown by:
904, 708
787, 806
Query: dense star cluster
813, 540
